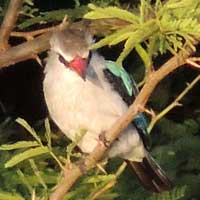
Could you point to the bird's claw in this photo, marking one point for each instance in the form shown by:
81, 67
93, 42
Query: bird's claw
104, 140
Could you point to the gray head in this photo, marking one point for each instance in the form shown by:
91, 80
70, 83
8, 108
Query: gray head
71, 45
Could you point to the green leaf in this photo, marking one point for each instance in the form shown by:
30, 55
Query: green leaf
70, 147
175, 194
48, 132
23, 123
37, 173
25, 181
129, 45
120, 38
109, 196
29, 2
54, 15
26, 155
100, 178
19, 145
111, 12
143, 55
108, 39
10, 196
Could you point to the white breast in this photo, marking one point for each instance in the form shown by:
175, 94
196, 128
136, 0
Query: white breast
77, 104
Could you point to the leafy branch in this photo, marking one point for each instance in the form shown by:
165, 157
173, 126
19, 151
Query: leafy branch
161, 27
35, 148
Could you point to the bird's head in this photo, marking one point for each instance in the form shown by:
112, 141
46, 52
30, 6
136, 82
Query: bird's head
71, 45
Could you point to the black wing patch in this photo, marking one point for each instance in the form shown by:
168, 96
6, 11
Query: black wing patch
139, 122
118, 86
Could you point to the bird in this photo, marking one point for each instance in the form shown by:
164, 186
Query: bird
82, 90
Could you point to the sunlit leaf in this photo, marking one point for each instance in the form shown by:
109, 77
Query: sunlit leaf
108, 39
120, 38
143, 55
100, 178
26, 155
48, 132
19, 145
23, 123
29, 2
37, 173
175, 194
111, 12
24, 180
128, 47
10, 196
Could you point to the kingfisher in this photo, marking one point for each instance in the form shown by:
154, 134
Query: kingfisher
84, 91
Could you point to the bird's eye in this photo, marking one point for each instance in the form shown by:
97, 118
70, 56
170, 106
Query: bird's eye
63, 61
89, 56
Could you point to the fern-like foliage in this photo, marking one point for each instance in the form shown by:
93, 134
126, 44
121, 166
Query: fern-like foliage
175, 194
29, 169
161, 27
50, 16
106, 2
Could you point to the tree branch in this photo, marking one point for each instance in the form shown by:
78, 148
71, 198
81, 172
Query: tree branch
72, 174
9, 23
39, 44
25, 51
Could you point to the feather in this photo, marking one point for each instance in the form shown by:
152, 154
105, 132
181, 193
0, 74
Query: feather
119, 86
149, 173
151, 176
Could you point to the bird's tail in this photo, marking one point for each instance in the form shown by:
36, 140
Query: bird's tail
150, 174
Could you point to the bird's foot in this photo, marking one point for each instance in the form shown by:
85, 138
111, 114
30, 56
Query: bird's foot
103, 139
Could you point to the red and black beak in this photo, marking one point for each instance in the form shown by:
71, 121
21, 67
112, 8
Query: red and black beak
79, 65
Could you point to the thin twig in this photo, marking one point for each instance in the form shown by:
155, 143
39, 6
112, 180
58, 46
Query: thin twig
192, 61
9, 23
103, 190
121, 168
195, 59
32, 34
111, 183
173, 104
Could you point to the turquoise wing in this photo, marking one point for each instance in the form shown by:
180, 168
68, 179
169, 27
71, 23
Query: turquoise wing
119, 71
114, 74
